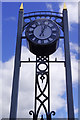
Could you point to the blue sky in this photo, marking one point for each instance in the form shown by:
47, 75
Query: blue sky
9, 33
10, 16
11, 10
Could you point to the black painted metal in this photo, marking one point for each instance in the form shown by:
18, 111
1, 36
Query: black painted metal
49, 62
41, 12
68, 67
42, 49
55, 16
14, 97
42, 75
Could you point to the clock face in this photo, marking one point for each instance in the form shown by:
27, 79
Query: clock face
42, 31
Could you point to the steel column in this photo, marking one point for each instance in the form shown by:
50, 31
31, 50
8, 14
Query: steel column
44, 75
14, 97
68, 67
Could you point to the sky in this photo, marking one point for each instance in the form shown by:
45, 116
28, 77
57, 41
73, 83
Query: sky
9, 15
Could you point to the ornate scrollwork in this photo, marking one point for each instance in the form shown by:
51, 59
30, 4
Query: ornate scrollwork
34, 115
31, 112
49, 115
42, 75
53, 113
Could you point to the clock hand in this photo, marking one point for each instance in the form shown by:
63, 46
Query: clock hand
42, 30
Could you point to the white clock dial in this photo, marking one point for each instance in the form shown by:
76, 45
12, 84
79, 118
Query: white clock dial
42, 32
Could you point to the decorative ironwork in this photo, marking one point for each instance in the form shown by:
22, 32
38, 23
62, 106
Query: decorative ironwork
42, 74
54, 16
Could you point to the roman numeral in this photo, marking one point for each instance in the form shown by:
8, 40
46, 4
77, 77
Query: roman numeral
30, 33
53, 29
54, 34
33, 25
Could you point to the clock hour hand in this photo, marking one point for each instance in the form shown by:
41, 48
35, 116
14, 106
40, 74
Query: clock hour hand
42, 33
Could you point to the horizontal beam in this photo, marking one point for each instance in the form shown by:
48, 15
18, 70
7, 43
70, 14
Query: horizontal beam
42, 12
35, 61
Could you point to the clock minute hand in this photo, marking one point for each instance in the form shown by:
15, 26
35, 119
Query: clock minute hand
42, 30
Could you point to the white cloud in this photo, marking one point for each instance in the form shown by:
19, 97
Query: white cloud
72, 8
74, 47
76, 110
49, 6
27, 81
72, 12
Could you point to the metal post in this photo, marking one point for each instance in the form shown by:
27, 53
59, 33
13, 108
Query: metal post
14, 97
68, 67
48, 89
36, 81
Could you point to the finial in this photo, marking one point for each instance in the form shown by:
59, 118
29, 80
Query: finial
65, 6
21, 7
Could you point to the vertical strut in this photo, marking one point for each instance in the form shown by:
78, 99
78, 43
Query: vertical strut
68, 67
36, 80
14, 97
44, 75
48, 88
